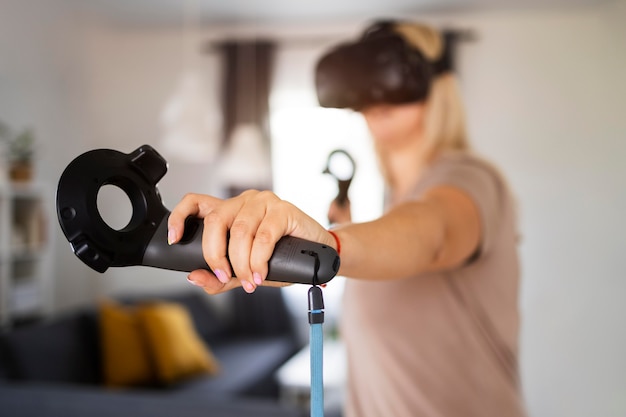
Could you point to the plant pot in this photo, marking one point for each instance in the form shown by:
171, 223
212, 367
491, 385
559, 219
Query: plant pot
21, 171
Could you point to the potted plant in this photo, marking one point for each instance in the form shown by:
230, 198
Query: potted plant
20, 150
21, 153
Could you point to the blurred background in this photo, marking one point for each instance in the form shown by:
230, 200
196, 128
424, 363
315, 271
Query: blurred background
543, 83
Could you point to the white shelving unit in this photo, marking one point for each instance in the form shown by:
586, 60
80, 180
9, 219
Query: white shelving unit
25, 273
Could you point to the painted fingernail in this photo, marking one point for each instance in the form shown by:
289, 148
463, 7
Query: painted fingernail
248, 286
221, 275
191, 281
257, 278
171, 236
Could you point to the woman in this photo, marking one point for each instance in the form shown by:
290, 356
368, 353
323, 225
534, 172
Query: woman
430, 315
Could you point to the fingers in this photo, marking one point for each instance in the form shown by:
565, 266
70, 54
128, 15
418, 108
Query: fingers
269, 231
215, 241
211, 285
214, 244
218, 215
239, 235
238, 238
209, 282
191, 205
253, 236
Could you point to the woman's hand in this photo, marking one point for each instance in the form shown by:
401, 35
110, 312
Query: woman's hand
255, 220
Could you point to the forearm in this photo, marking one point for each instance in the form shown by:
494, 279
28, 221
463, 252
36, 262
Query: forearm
404, 242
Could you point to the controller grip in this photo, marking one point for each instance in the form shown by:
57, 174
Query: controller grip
294, 260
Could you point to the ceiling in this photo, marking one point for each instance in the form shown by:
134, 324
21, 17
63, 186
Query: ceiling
168, 12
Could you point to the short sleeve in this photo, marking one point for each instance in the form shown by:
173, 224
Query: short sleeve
480, 181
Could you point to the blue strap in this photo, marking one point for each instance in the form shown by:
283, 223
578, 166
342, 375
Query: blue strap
316, 342
317, 370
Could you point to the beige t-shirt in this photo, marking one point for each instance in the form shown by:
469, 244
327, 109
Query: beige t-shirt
442, 344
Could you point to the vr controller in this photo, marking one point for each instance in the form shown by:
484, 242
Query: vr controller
143, 241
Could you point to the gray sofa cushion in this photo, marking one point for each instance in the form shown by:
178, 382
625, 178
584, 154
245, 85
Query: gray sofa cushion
63, 350
30, 400
247, 367
262, 313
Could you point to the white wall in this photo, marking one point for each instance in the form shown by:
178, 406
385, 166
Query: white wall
131, 76
545, 99
544, 93
41, 81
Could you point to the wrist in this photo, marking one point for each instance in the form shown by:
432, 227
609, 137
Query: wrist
337, 241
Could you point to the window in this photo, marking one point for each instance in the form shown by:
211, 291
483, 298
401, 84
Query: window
303, 135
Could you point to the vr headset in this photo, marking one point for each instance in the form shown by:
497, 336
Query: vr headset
381, 67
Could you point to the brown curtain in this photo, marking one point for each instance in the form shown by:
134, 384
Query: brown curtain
247, 70
245, 96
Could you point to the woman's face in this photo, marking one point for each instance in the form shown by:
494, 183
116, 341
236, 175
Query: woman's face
393, 126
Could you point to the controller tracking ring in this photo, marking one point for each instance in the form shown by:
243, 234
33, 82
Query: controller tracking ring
91, 238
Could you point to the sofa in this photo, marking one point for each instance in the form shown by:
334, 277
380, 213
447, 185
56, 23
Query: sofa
54, 367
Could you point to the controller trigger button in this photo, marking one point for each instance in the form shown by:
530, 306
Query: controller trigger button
192, 225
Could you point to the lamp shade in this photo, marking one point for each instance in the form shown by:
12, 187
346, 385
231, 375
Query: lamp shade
191, 122
245, 162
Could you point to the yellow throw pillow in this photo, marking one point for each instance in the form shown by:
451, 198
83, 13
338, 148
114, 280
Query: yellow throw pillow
176, 349
124, 359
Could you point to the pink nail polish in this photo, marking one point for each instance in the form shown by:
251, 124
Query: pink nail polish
221, 275
191, 281
248, 287
171, 236
257, 278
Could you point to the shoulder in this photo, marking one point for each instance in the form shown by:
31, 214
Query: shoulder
481, 180
462, 168
464, 159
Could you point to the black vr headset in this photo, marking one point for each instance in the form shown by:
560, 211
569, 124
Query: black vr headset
381, 67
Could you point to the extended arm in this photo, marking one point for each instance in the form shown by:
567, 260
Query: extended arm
440, 231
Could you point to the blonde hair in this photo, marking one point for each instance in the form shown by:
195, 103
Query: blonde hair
444, 113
